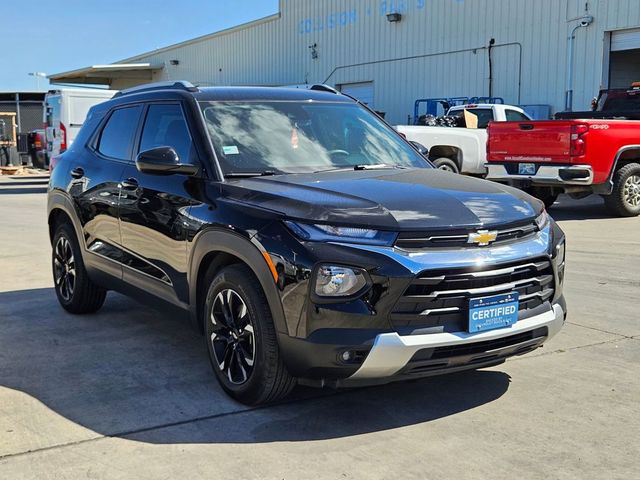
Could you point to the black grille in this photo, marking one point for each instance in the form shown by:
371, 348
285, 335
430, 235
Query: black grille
438, 301
481, 347
418, 240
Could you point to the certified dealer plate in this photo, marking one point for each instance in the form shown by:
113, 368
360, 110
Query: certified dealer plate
497, 311
526, 169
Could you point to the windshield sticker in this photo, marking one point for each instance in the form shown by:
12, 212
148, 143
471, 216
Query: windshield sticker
230, 150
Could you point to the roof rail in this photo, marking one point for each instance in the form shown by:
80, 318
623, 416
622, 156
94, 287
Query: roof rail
171, 85
324, 88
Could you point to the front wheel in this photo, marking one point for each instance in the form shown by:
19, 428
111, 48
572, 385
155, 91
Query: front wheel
624, 199
241, 339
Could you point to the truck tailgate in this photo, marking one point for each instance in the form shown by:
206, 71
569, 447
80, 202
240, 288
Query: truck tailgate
535, 141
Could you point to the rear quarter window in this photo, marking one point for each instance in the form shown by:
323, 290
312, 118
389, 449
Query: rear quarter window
515, 116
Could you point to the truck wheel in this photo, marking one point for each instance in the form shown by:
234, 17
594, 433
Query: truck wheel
241, 339
547, 195
624, 199
74, 289
444, 163
37, 161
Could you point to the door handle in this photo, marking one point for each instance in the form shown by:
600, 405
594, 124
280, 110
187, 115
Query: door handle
129, 184
77, 172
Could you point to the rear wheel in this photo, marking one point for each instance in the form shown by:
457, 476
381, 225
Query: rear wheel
37, 161
444, 163
624, 199
74, 289
241, 339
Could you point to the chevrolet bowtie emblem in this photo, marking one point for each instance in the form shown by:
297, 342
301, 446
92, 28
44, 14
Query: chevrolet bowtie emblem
483, 238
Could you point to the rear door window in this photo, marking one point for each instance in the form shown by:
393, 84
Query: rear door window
117, 135
166, 126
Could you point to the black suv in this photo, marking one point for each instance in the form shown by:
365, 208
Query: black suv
302, 235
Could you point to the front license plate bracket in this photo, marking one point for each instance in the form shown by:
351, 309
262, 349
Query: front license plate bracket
496, 311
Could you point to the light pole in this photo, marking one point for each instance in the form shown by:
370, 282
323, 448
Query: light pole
584, 22
38, 76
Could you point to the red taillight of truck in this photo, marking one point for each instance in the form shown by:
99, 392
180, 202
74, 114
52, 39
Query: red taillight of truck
578, 146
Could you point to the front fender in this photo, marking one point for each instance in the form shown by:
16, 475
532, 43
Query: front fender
249, 251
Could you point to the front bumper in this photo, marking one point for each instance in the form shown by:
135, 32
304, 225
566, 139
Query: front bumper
392, 353
363, 341
545, 174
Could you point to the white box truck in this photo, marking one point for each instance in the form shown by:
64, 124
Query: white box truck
64, 113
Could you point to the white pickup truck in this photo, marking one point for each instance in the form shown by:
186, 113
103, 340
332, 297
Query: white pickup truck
460, 149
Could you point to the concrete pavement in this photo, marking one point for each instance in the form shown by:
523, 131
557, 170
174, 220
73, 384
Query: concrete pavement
128, 392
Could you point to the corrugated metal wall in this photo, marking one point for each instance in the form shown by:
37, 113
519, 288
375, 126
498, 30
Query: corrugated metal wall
439, 48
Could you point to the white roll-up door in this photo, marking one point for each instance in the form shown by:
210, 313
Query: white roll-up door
625, 40
624, 58
363, 91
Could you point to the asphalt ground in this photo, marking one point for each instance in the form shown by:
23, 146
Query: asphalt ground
128, 392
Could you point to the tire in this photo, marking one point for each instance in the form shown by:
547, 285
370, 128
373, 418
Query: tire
624, 199
545, 194
446, 164
74, 289
245, 357
37, 161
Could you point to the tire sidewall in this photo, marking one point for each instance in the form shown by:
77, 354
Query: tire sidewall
66, 231
616, 200
230, 278
453, 167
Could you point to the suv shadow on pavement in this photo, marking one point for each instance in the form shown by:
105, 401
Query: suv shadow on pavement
132, 372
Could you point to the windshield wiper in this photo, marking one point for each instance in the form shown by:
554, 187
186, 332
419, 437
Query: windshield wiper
380, 166
266, 173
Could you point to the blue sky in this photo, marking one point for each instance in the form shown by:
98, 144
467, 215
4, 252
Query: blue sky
53, 36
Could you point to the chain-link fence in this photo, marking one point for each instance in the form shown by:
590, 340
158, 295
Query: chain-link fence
28, 108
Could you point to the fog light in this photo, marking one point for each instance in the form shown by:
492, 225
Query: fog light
560, 253
335, 281
346, 356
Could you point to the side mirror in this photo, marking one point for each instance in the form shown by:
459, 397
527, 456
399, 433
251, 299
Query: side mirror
163, 161
424, 151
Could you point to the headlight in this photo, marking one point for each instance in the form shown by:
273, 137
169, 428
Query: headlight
542, 220
331, 233
336, 281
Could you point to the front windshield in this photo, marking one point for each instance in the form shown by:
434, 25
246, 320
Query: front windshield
302, 136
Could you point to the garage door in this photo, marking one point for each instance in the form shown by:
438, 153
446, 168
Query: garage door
624, 59
363, 91
625, 40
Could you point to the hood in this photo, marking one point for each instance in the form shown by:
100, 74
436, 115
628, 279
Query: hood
400, 200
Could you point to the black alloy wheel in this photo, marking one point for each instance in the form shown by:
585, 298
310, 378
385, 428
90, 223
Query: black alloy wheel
64, 268
232, 336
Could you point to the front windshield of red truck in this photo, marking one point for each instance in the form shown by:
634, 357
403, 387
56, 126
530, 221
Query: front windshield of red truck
303, 136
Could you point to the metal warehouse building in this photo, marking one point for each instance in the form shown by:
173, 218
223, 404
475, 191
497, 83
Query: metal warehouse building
391, 52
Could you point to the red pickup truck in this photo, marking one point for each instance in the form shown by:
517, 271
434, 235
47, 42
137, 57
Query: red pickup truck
579, 155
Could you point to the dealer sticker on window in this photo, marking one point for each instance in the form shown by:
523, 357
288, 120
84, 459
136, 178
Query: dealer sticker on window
230, 150
497, 311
